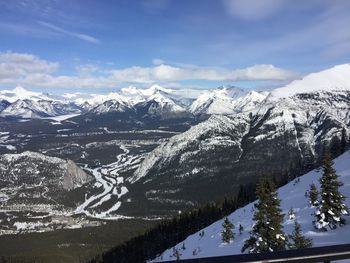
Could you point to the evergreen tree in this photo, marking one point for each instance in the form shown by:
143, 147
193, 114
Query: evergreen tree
332, 206
241, 229
313, 195
297, 238
267, 233
176, 254
227, 234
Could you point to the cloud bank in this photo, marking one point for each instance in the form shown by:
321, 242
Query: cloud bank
31, 71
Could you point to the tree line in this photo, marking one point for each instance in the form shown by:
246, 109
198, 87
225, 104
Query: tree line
170, 232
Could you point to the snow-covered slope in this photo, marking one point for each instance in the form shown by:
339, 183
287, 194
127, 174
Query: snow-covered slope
218, 101
162, 106
292, 196
20, 93
336, 78
37, 109
145, 93
117, 104
217, 130
301, 124
4, 104
186, 96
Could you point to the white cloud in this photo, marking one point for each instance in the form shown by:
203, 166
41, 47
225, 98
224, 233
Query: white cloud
60, 30
19, 65
253, 9
262, 72
88, 69
170, 73
31, 71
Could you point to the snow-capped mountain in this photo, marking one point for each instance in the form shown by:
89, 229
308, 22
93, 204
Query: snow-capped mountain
185, 96
292, 195
160, 106
218, 101
160, 101
155, 102
22, 103
336, 78
37, 109
19, 93
227, 101
144, 93
302, 122
194, 144
4, 104
113, 105
289, 133
163, 103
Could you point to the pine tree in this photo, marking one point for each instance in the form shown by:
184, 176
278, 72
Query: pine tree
176, 254
313, 195
241, 229
227, 234
297, 238
267, 233
332, 206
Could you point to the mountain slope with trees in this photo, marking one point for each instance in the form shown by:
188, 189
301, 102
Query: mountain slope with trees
298, 225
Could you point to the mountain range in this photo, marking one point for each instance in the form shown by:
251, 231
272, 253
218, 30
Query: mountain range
152, 152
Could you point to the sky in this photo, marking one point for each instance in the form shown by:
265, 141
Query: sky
102, 45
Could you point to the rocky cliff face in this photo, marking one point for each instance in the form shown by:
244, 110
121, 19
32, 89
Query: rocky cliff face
74, 176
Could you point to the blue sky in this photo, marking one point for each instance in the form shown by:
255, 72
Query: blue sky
82, 45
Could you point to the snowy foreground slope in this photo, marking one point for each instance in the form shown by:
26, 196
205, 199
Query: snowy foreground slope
292, 196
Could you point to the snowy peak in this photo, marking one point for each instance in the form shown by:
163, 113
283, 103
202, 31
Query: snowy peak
159, 105
25, 109
336, 78
113, 105
218, 101
133, 91
20, 93
226, 101
37, 109
100, 99
4, 104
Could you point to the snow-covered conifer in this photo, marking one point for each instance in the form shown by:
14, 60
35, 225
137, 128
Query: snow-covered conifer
267, 232
332, 207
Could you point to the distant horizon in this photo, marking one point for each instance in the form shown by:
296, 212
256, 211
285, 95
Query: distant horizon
102, 91
88, 46
105, 91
